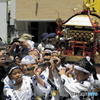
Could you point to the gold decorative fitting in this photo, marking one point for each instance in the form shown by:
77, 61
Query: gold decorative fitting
87, 5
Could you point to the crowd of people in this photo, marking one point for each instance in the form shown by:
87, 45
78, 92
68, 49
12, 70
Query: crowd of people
41, 73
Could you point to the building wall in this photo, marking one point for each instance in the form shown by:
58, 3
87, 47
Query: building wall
38, 10
43, 12
3, 20
13, 9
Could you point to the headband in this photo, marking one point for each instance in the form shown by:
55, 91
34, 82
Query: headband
14, 68
31, 43
81, 69
48, 50
28, 60
54, 51
34, 50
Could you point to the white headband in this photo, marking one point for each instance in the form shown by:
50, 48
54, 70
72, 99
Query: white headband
54, 51
28, 60
13, 69
48, 50
31, 43
34, 50
81, 69
88, 59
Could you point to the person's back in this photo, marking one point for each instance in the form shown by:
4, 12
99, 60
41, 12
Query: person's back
19, 86
2, 74
2, 97
80, 85
21, 45
44, 41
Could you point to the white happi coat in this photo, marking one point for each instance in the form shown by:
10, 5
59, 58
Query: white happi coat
29, 89
98, 75
74, 88
56, 82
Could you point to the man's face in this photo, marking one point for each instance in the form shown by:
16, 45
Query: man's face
54, 41
34, 53
2, 52
47, 55
2, 60
24, 44
55, 54
16, 75
3, 57
25, 68
80, 75
18, 61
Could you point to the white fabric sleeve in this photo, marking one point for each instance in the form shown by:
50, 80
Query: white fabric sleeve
74, 87
9, 93
40, 90
6, 85
56, 78
46, 73
96, 83
66, 79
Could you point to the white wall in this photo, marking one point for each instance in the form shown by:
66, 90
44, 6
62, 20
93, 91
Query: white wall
13, 9
3, 20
